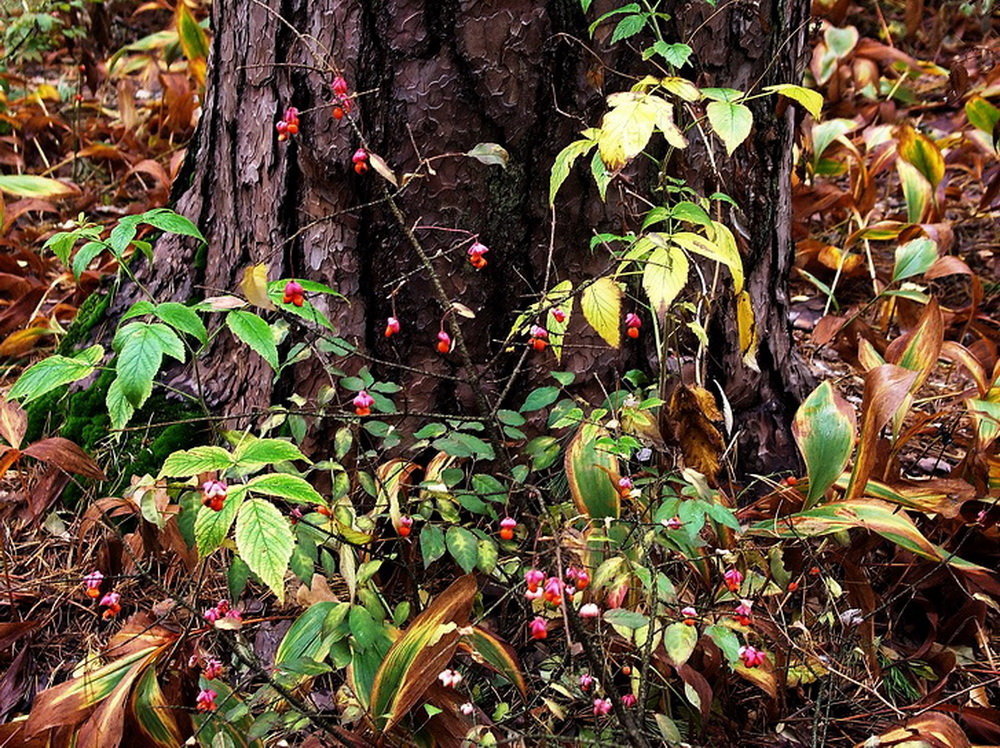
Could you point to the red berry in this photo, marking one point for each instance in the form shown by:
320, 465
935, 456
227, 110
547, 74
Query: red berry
361, 167
791, 480
792, 586
392, 326
444, 342
559, 315
633, 332
293, 128
539, 344
338, 112
281, 127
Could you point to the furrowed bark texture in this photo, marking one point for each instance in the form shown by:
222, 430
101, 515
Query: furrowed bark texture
440, 77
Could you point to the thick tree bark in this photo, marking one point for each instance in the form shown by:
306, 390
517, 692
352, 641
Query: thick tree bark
443, 76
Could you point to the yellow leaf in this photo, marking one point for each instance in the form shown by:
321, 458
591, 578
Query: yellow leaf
601, 303
811, 101
747, 326
254, 286
665, 275
626, 128
681, 88
725, 243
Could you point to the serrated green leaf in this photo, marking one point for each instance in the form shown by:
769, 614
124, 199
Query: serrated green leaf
211, 527
265, 542
182, 318
432, 544
53, 372
286, 486
190, 462
256, 333
259, 452
564, 163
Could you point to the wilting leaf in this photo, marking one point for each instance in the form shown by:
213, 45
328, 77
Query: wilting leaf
592, 473
489, 153
887, 387
65, 455
746, 325
254, 286
414, 661
824, 430
929, 730
679, 640
922, 153
665, 274
601, 303
696, 419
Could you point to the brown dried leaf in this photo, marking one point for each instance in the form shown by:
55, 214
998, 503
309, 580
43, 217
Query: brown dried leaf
694, 416
65, 455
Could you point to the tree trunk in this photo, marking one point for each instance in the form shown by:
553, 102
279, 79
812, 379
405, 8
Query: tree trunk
440, 77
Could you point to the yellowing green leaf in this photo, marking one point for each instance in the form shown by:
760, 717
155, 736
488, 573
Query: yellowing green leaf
564, 163
254, 286
811, 100
681, 88
27, 185
601, 303
746, 325
920, 151
730, 121
664, 276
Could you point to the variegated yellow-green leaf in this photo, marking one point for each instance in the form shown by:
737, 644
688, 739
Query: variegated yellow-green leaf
27, 185
982, 115
917, 191
721, 248
601, 303
812, 101
824, 430
488, 649
265, 543
730, 121
626, 128
414, 661
154, 716
664, 276
917, 149
592, 473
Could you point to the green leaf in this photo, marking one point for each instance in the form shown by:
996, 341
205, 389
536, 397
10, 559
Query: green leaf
85, 255
171, 222
731, 122
211, 528
824, 430
120, 409
253, 453
463, 546
811, 101
256, 333
190, 462
679, 640
726, 640
982, 114
601, 303
27, 185
53, 372
914, 258
628, 27
540, 397
140, 347
182, 318
286, 486
628, 619
676, 55
564, 163
265, 542
488, 556
432, 545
